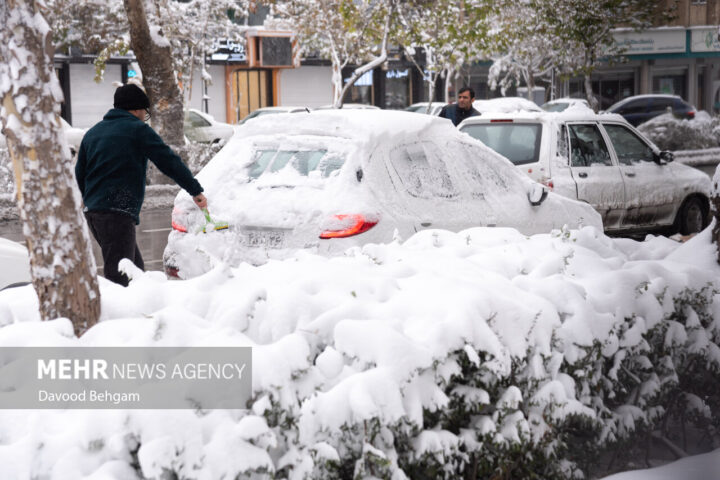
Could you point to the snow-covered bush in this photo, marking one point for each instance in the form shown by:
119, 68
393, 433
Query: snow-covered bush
481, 354
671, 133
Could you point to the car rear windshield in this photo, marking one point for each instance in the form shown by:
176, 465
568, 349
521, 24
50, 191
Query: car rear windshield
518, 142
302, 161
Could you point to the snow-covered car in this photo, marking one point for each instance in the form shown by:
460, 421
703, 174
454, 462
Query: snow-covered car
350, 106
422, 107
261, 112
73, 136
560, 104
604, 161
15, 264
336, 179
506, 105
202, 127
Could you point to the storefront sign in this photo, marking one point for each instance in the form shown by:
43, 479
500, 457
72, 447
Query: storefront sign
704, 40
653, 41
397, 73
228, 50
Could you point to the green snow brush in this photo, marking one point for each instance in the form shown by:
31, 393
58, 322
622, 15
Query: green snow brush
215, 224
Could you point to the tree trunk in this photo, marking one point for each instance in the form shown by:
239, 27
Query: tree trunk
376, 62
589, 65
431, 93
715, 207
155, 60
337, 67
530, 81
589, 94
62, 265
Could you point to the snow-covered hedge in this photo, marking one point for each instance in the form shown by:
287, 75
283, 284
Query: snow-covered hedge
481, 354
671, 133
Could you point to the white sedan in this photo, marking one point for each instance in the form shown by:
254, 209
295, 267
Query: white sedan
336, 179
15, 264
73, 136
560, 104
202, 127
604, 161
431, 108
261, 112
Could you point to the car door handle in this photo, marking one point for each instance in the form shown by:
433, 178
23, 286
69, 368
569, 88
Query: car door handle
425, 224
582, 175
629, 174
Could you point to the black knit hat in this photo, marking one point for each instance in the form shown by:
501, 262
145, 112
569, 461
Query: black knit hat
131, 97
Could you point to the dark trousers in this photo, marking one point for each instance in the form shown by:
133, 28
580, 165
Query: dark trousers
115, 233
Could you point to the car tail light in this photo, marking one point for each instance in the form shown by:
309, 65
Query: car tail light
179, 220
548, 183
502, 120
347, 225
691, 114
172, 272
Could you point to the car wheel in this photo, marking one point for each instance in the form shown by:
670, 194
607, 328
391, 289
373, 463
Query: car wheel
690, 217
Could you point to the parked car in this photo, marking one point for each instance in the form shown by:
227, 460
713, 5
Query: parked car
201, 127
350, 106
641, 108
73, 136
337, 179
15, 263
273, 110
506, 105
422, 107
604, 161
560, 104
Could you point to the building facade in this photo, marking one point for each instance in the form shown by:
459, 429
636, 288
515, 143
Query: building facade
682, 58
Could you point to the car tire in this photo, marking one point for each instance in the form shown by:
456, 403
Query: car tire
692, 216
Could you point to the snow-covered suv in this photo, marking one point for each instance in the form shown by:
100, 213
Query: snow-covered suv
604, 161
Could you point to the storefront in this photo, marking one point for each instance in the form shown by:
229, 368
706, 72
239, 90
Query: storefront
394, 86
251, 70
673, 60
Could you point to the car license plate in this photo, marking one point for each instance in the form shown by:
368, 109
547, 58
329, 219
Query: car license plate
264, 238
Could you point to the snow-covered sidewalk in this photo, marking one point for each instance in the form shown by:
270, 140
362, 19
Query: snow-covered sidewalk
393, 359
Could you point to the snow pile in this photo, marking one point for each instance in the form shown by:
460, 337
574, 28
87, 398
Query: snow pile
671, 133
699, 467
506, 105
482, 350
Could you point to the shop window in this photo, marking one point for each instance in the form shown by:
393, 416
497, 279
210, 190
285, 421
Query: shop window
670, 84
397, 89
607, 91
361, 91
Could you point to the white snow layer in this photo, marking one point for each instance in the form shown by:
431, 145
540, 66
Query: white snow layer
698, 467
370, 338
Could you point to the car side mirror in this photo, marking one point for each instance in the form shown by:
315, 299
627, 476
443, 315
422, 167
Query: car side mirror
537, 194
663, 157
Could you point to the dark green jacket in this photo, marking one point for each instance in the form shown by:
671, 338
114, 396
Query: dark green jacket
112, 164
456, 114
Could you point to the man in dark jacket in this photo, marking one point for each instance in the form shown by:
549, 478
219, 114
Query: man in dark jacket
457, 112
111, 170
